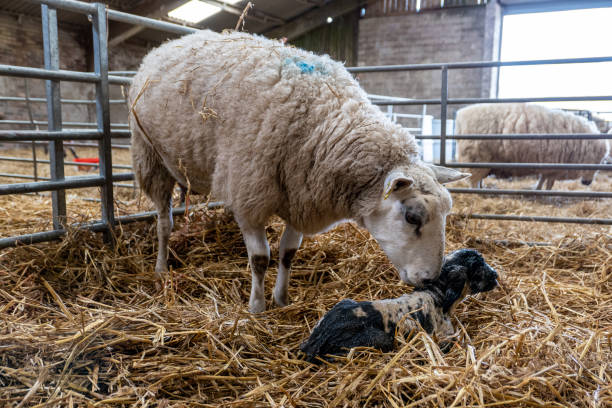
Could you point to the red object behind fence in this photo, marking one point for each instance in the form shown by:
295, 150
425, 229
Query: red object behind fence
86, 160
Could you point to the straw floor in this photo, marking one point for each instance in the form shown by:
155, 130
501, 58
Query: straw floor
84, 324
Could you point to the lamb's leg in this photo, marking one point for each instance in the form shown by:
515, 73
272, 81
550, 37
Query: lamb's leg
549, 183
289, 244
259, 258
540, 182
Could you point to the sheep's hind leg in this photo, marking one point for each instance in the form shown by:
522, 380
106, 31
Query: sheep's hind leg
157, 183
163, 205
289, 244
540, 182
259, 258
477, 176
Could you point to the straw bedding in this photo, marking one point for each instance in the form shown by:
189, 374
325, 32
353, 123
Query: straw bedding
83, 323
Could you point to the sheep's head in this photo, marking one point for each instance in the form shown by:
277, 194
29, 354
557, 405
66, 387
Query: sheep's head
464, 272
410, 219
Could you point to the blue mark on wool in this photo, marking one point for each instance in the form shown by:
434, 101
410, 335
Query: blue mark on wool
305, 67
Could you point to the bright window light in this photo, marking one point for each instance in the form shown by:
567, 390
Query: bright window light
560, 34
195, 11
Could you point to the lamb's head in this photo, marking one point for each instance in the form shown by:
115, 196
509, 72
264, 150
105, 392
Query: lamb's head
464, 272
410, 218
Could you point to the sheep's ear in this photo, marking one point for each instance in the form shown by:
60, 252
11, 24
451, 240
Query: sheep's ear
445, 175
396, 181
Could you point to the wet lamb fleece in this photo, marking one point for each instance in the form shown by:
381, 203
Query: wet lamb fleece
373, 324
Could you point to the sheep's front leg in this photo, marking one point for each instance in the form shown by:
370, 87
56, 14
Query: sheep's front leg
259, 257
289, 244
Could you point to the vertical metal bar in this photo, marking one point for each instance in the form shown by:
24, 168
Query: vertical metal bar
499, 50
443, 105
34, 126
54, 112
100, 43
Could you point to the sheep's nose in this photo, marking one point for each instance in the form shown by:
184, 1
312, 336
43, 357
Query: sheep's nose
586, 182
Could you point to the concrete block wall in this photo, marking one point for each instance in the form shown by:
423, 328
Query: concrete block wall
432, 36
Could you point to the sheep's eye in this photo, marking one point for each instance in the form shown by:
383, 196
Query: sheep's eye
412, 218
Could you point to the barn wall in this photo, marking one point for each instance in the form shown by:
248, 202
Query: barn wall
21, 44
432, 36
337, 39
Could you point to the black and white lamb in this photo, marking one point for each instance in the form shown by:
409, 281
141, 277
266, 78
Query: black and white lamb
374, 324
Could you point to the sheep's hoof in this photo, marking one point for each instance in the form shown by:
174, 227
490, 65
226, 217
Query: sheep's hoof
281, 299
257, 306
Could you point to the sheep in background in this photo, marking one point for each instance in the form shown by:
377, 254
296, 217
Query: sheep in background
510, 118
271, 129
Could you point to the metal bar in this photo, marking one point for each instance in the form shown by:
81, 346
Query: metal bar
119, 80
54, 113
556, 193
76, 144
40, 73
28, 239
53, 185
466, 101
476, 64
67, 163
149, 22
123, 177
443, 100
462, 101
31, 117
535, 218
23, 176
70, 5
52, 135
524, 136
74, 124
100, 45
542, 166
122, 72
552, 5
65, 101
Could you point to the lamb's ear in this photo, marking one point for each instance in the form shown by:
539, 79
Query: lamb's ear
445, 175
456, 279
396, 181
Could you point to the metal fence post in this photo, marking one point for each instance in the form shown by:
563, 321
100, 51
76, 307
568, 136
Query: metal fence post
443, 103
54, 113
100, 43
34, 126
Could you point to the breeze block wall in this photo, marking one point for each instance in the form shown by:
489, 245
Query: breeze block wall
432, 36
21, 44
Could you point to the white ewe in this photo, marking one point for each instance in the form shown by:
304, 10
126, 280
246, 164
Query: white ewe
271, 129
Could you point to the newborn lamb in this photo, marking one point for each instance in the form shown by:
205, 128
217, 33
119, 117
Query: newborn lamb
373, 324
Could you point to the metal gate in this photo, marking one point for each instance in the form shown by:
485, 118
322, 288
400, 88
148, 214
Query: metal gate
103, 133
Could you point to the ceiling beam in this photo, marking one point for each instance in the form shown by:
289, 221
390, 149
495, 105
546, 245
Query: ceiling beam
155, 9
314, 18
253, 13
